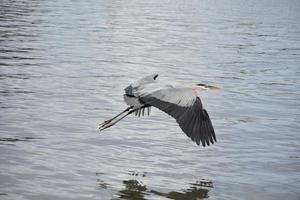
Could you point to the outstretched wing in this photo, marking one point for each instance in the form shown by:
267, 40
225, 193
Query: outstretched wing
186, 108
131, 96
132, 89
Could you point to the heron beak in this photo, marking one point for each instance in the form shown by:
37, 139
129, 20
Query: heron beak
202, 86
210, 87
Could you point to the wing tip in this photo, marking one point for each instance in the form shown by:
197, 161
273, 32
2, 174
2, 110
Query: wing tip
206, 144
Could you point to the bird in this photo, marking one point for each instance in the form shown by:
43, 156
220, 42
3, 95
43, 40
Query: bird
181, 103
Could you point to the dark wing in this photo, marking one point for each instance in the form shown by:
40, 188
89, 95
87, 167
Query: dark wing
192, 119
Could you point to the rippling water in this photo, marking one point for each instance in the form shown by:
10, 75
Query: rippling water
63, 67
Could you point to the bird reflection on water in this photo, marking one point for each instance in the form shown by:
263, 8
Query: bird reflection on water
134, 190
137, 190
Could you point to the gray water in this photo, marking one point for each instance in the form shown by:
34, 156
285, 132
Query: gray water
63, 67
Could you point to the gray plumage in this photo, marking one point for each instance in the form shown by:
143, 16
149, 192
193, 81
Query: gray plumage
183, 104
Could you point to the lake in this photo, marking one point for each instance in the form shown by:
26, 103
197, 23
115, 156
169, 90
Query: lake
64, 65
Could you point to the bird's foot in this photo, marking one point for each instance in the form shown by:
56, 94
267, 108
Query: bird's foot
105, 122
105, 125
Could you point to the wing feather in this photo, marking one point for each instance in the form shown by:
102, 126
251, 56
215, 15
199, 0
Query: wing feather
180, 96
187, 110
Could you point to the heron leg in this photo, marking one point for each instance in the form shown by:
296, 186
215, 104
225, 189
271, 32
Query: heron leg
110, 120
110, 123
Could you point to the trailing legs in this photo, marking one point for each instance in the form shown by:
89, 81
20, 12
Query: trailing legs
110, 122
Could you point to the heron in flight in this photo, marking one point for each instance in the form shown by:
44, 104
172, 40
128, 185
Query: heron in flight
183, 104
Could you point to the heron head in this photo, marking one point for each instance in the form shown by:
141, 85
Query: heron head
202, 86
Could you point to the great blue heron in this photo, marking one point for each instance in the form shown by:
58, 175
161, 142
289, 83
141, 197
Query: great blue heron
183, 104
